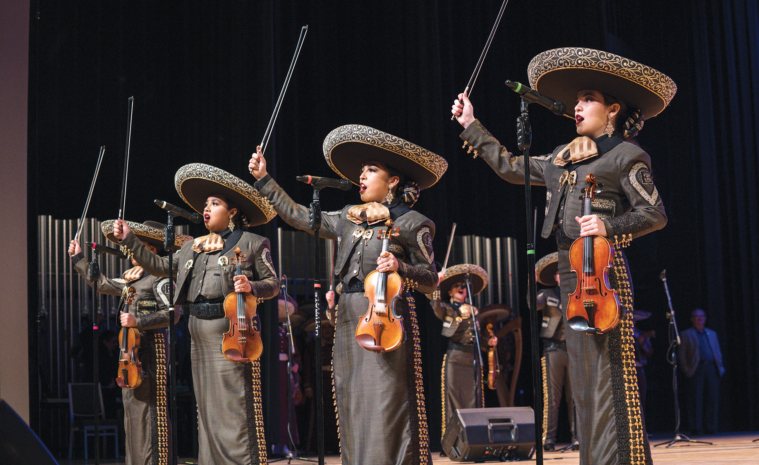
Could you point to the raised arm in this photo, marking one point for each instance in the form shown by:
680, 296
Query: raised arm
81, 265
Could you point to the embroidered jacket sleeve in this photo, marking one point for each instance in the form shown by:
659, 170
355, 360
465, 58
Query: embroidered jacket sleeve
265, 284
150, 262
420, 265
503, 162
646, 213
160, 318
105, 285
439, 307
294, 214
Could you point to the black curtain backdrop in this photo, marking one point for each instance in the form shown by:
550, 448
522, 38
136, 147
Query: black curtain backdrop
205, 76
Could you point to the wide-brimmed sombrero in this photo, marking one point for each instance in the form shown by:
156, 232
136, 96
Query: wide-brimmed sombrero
457, 274
498, 311
545, 269
290, 306
562, 72
149, 231
196, 181
349, 147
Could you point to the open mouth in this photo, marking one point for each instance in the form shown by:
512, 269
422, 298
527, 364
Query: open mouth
362, 188
206, 217
579, 119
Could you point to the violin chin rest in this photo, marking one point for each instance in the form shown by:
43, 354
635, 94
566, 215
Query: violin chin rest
367, 342
580, 324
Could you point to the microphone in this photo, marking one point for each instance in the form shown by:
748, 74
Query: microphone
101, 248
663, 275
176, 211
317, 182
533, 96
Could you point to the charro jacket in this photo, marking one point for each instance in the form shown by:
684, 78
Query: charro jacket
459, 329
629, 203
187, 265
151, 302
358, 247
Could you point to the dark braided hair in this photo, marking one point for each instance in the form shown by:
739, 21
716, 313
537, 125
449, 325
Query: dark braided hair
629, 120
406, 190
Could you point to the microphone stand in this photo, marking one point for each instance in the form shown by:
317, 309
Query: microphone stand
94, 275
477, 348
674, 341
524, 140
169, 245
315, 221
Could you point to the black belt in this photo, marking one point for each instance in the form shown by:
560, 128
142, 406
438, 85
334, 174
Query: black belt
462, 347
208, 310
354, 286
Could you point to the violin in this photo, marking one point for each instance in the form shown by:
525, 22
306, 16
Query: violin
242, 343
593, 306
381, 328
129, 375
493, 365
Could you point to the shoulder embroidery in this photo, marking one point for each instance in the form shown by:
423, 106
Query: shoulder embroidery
266, 256
162, 290
424, 239
641, 169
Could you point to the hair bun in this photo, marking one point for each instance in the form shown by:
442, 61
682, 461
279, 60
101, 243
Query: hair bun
410, 193
633, 124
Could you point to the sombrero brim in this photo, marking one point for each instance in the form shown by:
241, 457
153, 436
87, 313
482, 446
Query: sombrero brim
349, 147
499, 311
196, 181
546, 269
639, 315
148, 232
563, 72
457, 274
310, 324
290, 307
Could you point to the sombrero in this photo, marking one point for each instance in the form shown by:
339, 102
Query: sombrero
196, 181
349, 147
562, 72
498, 311
457, 274
639, 315
291, 307
149, 231
546, 268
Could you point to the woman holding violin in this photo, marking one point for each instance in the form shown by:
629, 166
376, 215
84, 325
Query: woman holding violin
146, 419
608, 97
227, 384
380, 401
458, 319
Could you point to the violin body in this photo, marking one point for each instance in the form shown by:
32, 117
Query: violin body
129, 375
242, 343
381, 328
593, 307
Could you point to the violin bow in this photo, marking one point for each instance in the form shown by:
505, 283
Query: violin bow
476, 72
125, 172
450, 243
89, 196
273, 119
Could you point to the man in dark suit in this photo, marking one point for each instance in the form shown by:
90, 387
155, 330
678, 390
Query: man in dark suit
700, 360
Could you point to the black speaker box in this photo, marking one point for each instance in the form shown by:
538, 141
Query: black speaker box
18, 444
485, 434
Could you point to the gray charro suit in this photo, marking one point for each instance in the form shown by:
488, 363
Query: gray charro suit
609, 426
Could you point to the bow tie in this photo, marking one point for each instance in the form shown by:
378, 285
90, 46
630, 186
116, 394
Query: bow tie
208, 244
578, 150
370, 213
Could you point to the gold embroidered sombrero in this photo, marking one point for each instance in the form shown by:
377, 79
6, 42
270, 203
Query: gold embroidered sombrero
149, 231
562, 72
457, 274
348, 147
546, 268
196, 181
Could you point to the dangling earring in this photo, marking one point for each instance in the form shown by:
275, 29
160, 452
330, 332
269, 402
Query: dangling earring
609, 131
231, 224
389, 197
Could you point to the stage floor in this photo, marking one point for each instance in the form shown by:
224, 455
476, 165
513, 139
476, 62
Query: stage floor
732, 448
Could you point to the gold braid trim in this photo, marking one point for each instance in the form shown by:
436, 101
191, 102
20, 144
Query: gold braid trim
424, 442
259, 414
159, 342
334, 395
442, 395
637, 444
544, 369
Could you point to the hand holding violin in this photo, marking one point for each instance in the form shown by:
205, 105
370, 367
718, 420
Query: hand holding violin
591, 225
387, 262
128, 320
242, 284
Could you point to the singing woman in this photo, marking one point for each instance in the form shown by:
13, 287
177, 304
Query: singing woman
380, 398
608, 97
230, 416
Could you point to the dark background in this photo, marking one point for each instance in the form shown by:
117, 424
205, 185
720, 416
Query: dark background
205, 77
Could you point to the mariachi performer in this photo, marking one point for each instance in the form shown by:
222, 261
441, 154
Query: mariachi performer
230, 416
555, 361
146, 417
375, 392
449, 302
608, 96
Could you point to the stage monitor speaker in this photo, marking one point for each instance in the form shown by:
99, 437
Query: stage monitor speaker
18, 444
484, 434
